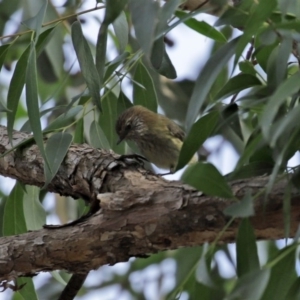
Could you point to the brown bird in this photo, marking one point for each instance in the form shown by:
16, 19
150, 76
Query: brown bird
158, 138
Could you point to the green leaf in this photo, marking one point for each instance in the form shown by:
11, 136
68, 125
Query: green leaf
278, 288
86, 62
199, 132
3, 51
284, 126
294, 291
97, 137
101, 52
206, 178
108, 121
246, 250
34, 213
247, 67
241, 209
15, 90
251, 286
79, 132
277, 63
202, 27
56, 149
160, 59
44, 38
112, 66
165, 13
258, 15
187, 261
35, 23
28, 290
146, 96
64, 120
287, 88
113, 10
237, 84
122, 31
206, 79
144, 18
13, 216
32, 102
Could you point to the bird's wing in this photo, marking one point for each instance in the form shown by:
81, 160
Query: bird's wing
176, 131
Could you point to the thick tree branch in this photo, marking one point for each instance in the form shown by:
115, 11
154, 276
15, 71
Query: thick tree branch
141, 213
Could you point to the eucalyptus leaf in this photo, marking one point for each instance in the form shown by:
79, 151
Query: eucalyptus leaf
202, 27
97, 137
32, 102
199, 132
206, 178
64, 119
34, 213
146, 95
86, 62
144, 15
13, 216
56, 149
121, 29
241, 209
251, 285
35, 23
246, 249
28, 290
15, 90
259, 14
206, 79
237, 84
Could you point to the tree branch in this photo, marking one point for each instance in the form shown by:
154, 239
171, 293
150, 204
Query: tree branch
141, 213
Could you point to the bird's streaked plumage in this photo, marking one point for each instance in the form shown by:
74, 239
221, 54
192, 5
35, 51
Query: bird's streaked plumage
158, 138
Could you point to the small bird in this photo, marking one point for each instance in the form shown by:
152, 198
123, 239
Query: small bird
158, 138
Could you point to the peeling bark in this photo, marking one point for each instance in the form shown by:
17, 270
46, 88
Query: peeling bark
141, 213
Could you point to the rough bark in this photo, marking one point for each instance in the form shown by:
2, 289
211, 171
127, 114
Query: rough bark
141, 213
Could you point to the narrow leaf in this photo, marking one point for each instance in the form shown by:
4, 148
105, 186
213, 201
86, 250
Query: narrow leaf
32, 102
241, 209
57, 147
97, 137
13, 216
237, 84
35, 23
287, 88
101, 52
202, 27
144, 96
199, 132
251, 286
260, 14
64, 119
86, 62
206, 178
34, 213
246, 250
278, 288
121, 29
15, 90
144, 18
206, 79
113, 10
28, 289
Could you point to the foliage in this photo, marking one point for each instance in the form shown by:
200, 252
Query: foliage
247, 93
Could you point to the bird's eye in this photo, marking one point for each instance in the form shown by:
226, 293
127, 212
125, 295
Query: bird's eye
128, 126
